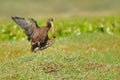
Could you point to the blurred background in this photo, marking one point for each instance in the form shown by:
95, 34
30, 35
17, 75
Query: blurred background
71, 16
43, 8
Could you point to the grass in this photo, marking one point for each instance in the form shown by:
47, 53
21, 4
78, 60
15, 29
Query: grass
86, 48
65, 26
94, 56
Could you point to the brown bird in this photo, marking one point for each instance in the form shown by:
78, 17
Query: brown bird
38, 35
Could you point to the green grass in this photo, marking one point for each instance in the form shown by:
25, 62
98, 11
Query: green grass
65, 26
86, 48
94, 56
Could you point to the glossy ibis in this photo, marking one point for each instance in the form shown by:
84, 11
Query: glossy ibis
38, 35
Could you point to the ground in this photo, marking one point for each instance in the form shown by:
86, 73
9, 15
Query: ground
94, 56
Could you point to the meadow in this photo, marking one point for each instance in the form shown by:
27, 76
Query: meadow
87, 45
86, 48
75, 25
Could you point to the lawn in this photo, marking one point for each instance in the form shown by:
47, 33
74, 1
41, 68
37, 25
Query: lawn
87, 45
89, 56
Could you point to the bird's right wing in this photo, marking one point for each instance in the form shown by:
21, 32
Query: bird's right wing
50, 41
29, 25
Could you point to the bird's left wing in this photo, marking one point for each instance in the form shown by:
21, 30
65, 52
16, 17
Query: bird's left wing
29, 25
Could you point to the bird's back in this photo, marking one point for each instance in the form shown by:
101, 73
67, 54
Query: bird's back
40, 35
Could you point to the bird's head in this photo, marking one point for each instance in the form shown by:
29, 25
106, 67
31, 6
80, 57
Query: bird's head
50, 24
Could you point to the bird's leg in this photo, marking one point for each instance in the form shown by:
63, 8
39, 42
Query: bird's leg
34, 46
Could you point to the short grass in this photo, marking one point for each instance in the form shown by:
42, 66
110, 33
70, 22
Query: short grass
94, 56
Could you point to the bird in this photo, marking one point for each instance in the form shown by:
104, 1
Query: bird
37, 35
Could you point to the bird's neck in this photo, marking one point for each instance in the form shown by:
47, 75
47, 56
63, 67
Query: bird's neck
49, 25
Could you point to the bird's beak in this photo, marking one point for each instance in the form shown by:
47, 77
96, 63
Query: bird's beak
52, 25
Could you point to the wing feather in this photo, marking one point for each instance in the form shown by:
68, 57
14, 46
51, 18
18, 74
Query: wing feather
29, 25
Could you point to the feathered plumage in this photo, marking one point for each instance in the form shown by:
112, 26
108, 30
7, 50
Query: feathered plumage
38, 35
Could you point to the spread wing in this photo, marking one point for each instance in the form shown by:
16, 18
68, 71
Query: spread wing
29, 25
